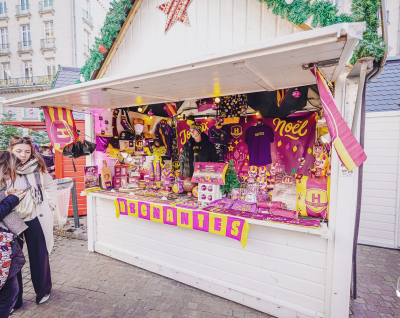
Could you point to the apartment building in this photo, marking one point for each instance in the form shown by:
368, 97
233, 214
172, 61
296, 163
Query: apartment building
38, 35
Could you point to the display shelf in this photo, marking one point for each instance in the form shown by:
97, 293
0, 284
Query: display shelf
324, 232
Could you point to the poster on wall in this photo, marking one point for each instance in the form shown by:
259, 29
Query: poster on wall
294, 138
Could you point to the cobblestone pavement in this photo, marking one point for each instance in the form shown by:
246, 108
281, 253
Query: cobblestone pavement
378, 272
91, 285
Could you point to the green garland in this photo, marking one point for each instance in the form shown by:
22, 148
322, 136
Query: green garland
108, 32
55, 76
323, 13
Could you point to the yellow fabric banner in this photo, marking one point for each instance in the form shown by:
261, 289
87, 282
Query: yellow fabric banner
225, 225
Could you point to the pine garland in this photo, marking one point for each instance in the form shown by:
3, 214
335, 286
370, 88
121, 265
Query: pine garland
55, 76
108, 32
323, 13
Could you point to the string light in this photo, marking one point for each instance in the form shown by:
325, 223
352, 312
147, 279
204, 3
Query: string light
258, 113
217, 100
140, 109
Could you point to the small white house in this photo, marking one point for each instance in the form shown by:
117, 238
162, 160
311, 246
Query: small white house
379, 224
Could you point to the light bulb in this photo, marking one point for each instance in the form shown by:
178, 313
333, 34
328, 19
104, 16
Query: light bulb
140, 109
206, 117
217, 100
257, 113
151, 117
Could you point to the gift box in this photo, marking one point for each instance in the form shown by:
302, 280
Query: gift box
120, 171
120, 182
209, 197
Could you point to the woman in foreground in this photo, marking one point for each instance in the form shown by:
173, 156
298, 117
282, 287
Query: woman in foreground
39, 236
11, 256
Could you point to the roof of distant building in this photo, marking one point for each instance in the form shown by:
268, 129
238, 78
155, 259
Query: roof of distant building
383, 93
68, 76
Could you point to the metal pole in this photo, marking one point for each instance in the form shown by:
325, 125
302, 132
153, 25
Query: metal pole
75, 204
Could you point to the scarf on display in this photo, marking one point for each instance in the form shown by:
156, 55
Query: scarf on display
37, 190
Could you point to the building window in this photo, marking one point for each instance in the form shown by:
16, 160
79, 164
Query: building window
26, 35
4, 38
28, 69
3, 8
24, 5
51, 66
6, 71
49, 32
87, 6
86, 43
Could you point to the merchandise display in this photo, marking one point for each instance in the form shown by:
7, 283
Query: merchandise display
206, 177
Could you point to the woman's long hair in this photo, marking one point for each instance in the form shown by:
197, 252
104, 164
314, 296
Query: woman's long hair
8, 167
16, 140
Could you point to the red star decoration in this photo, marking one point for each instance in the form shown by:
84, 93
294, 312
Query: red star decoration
175, 11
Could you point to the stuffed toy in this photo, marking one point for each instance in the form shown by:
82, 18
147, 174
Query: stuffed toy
321, 166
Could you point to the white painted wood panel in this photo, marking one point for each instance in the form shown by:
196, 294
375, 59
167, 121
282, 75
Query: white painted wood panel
215, 26
285, 267
379, 210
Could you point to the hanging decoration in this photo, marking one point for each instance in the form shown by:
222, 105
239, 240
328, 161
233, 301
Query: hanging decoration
102, 49
175, 11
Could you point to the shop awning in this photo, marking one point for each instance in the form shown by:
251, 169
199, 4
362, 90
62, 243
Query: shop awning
32, 124
273, 64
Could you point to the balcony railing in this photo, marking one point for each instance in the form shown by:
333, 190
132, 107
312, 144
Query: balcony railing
22, 10
87, 17
46, 6
3, 12
25, 46
25, 81
48, 44
4, 48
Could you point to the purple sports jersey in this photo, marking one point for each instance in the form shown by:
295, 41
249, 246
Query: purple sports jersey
259, 139
220, 138
164, 133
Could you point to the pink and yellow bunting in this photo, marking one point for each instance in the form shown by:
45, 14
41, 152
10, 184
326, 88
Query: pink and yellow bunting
350, 152
229, 226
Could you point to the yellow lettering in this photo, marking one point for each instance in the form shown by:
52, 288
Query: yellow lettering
201, 219
170, 216
303, 126
1, 83
143, 209
182, 134
46, 80
29, 82
282, 126
62, 131
22, 82
10, 82
235, 230
41, 79
288, 127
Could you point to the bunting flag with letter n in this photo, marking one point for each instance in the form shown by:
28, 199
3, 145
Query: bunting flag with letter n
350, 152
60, 126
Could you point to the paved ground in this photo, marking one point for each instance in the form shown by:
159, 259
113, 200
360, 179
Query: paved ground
91, 285
378, 272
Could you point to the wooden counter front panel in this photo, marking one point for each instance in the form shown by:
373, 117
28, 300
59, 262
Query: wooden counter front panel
282, 268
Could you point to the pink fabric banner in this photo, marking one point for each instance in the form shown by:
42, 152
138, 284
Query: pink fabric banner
292, 148
350, 152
